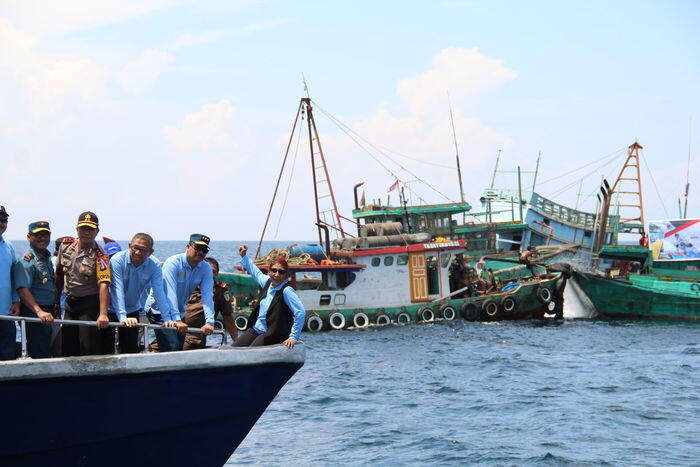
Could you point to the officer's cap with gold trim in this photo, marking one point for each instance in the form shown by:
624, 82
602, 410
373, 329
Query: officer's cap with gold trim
88, 219
200, 239
39, 226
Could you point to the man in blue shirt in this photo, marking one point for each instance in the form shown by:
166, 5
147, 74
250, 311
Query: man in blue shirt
181, 274
36, 286
134, 271
9, 301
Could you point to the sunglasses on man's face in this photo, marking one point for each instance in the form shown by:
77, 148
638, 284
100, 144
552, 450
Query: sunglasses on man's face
140, 249
201, 248
278, 271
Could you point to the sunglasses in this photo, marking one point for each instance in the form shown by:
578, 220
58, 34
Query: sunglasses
278, 271
201, 248
140, 249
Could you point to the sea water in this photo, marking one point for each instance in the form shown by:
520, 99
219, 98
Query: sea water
536, 392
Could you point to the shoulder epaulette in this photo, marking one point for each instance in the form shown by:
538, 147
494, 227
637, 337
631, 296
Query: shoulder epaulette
29, 256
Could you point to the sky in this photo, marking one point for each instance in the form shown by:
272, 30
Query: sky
173, 116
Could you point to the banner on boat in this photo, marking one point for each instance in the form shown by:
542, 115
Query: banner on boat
675, 240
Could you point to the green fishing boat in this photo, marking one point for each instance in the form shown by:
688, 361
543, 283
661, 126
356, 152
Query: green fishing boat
635, 287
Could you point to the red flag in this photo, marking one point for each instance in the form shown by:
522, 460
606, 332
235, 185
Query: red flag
393, 186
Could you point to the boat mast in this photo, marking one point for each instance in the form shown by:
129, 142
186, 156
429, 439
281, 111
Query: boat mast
630, 172
495, 169
324, 217
537, 169
459, 170
687, 173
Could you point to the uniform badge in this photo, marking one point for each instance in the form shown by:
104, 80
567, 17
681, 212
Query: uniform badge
44, 281
227, 296
29, 256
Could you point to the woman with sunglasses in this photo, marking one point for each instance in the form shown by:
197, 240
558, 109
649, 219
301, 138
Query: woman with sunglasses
279, 315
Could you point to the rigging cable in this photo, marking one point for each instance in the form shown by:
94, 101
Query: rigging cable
612, 154
291, 177
655, 187
346, 129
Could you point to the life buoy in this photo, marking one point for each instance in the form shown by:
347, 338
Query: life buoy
490, 308
470, 311
314, 323
448, 312
509, 304
241, 322
426, 314
382, 319
403, 318
336, 320
360, 320
544, 295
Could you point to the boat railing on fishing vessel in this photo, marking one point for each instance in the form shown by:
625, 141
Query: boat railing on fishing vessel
146, 326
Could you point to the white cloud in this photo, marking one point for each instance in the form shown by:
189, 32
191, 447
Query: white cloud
465, 73
205, 37
41, 18
48, 81
208, 129
140, 75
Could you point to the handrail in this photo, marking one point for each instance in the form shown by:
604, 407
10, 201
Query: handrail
24, 319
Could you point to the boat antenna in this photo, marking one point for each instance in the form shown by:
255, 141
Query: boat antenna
454, 136
537, 169
495, 169
306, 86
687, 173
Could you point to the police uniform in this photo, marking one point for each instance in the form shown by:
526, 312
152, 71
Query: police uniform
34, 271
83, 272
194, 316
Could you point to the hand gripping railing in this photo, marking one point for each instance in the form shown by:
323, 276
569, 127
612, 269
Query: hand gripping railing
24, 319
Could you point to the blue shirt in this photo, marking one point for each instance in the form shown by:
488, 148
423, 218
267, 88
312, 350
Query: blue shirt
8, 292
179, 280
129, 284
290, 298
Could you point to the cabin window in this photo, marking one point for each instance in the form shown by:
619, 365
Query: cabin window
345, 278
376, 261
587, 233
339, 299
388, 260
325, 300
402, 260
444, 260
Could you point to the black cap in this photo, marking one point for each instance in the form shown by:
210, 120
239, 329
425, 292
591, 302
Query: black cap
199, 239
3, 213
88, 219
39, 226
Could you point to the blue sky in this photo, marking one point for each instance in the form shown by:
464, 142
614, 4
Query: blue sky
172, 116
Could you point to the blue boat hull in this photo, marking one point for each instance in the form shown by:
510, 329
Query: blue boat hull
193, 417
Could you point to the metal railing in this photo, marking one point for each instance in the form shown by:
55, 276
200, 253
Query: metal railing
146, 326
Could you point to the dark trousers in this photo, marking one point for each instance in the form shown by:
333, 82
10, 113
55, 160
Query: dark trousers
251, 338
129, 337
8, 339
168, 341
38, 334
86, 340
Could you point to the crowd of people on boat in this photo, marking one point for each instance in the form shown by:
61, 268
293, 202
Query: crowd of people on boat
83, 281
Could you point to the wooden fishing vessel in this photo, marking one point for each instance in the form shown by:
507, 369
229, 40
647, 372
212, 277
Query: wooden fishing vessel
402, 266
660, 279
